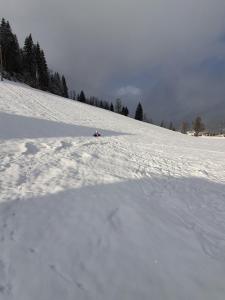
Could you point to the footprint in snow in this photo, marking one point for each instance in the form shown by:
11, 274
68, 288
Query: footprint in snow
31, 149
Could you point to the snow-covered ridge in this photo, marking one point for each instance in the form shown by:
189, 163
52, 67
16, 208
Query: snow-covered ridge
136, 214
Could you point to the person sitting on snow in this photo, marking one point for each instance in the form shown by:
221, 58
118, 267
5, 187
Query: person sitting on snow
97, 134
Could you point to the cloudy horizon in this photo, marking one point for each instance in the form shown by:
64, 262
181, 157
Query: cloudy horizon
168, 54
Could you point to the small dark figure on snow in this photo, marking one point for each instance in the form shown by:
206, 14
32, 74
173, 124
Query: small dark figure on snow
96, 134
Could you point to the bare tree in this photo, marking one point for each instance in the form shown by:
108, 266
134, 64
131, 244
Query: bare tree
184, 127
118, 106
198, 126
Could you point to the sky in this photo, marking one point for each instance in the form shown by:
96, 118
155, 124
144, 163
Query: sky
168, 54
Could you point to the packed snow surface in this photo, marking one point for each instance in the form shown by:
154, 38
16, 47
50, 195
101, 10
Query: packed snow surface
136, 214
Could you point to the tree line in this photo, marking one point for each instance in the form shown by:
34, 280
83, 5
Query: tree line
28, 64
197, 125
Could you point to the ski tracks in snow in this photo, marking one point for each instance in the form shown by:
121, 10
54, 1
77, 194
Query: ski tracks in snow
155, 181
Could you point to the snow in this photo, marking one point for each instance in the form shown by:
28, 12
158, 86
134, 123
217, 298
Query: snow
138, 213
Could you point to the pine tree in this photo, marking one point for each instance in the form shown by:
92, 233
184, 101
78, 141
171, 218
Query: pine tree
5, 40
111, 107
44, 80
106, 105
42, 74
126, 111
82, 97
10, 49
28, 64
139, 112
65, 88
15, 64
55, 84
162, 124
29, 60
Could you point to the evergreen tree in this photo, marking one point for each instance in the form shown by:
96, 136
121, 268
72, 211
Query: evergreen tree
29, 60
82, 97
139, 112
10, 49
126, 111
65, 88
28, 64
42, 74
15, 63
111, 107
162, 124
5, 40
44, 79
106, 105
198, 126
56, 84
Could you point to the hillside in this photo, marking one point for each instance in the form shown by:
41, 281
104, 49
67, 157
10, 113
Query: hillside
135, 214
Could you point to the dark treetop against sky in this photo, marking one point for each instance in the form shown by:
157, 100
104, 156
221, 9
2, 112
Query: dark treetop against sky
168, 53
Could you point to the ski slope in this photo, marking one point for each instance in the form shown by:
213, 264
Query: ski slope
137, 214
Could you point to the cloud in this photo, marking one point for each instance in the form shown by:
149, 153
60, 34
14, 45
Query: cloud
128, 91
155, 45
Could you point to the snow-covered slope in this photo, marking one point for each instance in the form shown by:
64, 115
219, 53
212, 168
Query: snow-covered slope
137, 214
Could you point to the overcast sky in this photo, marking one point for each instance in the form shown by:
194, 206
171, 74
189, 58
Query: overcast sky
170, 54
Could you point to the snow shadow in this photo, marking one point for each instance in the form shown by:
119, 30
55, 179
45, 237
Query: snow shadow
21, 127
158, 238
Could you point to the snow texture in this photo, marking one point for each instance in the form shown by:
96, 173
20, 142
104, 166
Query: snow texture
136, 214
